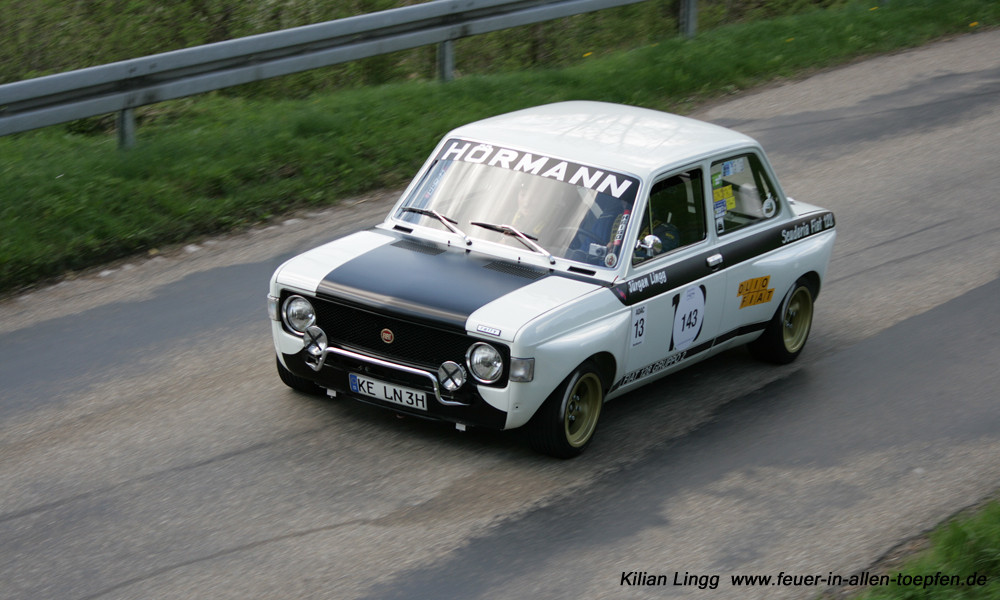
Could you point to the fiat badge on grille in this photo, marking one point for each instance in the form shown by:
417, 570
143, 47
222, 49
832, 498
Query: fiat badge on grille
387, 336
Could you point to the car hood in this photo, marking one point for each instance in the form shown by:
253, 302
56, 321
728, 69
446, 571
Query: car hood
428, 281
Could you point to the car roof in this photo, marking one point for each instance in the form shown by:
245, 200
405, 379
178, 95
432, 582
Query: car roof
615, 136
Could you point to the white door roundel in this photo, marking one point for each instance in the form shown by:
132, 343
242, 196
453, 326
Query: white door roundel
688, 317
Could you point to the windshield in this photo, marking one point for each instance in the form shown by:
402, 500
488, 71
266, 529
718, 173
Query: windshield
570, 210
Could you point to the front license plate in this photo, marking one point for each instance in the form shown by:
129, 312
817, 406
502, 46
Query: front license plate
373, 388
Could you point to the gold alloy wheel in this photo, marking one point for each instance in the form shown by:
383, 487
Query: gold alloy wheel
797, 319
583, 407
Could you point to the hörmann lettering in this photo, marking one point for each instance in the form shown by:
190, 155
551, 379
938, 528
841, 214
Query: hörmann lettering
615, 184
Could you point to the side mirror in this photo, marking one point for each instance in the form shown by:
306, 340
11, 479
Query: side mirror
651, 244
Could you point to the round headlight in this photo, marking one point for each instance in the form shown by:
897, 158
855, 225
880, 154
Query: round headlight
485, 362
298, 313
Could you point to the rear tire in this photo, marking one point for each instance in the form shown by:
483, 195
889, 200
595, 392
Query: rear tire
565, 424
299, 384
786, 334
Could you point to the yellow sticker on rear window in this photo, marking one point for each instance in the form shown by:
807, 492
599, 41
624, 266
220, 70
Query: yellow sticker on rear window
723, 193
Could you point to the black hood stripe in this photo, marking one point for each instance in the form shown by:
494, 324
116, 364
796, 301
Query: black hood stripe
426, 281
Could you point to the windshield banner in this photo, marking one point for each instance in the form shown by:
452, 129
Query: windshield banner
615, 184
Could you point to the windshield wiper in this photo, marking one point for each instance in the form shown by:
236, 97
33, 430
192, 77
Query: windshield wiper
449, 223
527, 240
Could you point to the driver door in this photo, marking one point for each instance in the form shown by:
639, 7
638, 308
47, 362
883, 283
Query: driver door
676, 298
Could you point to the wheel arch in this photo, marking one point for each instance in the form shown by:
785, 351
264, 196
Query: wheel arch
814, 281
606, 365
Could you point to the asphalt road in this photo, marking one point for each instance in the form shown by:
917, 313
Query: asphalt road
148, 450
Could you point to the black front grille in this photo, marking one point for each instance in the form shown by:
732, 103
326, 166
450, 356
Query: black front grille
411, 342
416, 344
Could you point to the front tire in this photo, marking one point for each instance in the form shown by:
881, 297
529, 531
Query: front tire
565, 424
787, 333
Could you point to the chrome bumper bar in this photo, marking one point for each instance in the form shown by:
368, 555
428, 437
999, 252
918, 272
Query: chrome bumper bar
317, 351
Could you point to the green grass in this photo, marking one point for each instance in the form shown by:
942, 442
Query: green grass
966, 547
70, 198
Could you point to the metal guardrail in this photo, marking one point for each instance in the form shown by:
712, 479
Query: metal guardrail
122, 86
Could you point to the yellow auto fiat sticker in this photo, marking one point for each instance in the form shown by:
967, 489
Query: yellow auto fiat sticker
755, 291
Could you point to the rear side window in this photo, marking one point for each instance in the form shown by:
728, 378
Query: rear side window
742, 194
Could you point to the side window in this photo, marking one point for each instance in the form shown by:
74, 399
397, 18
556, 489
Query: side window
742, 194
675, 214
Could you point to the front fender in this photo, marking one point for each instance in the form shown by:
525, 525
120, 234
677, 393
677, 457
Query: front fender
596, 324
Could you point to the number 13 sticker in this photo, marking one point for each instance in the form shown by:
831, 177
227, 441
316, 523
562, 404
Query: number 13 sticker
638, 325
689, 313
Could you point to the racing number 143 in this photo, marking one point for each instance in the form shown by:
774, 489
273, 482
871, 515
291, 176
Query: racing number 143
689, 307
690, 320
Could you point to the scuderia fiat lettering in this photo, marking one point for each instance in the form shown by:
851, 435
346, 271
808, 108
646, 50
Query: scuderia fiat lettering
801, 230
546, 261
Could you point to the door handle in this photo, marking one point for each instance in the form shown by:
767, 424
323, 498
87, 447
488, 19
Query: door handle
714, 261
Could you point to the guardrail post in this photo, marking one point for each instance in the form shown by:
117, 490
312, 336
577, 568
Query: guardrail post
125, 123
446, 60
689, 18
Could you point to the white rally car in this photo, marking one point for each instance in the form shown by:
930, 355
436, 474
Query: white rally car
547, 260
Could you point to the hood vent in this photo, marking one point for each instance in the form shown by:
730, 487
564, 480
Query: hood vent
418, 247
516, 270
582, 271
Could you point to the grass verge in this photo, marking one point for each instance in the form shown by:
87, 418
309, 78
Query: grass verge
213, 163
962, 562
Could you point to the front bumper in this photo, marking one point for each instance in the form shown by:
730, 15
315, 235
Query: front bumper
333, 366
